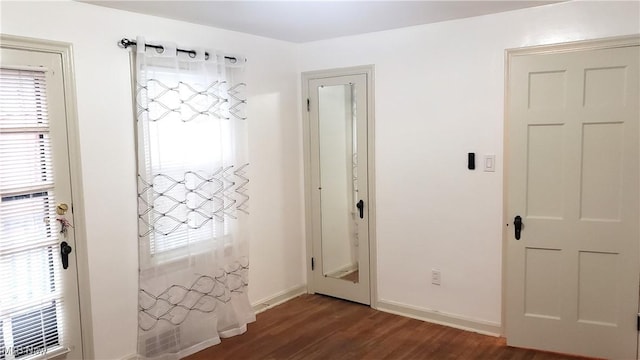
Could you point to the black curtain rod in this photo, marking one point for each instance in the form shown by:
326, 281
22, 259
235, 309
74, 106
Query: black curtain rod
125, 43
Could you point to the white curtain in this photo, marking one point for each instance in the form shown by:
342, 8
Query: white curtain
192, 200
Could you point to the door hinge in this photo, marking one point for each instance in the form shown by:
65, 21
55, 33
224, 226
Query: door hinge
308, 105
313, 264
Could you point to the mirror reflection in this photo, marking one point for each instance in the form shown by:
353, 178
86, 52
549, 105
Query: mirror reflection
338, 179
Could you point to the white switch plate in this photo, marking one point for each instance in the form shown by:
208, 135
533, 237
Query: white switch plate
490, 163
435, 276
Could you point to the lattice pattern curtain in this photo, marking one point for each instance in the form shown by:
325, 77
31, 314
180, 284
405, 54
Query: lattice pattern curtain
192, 200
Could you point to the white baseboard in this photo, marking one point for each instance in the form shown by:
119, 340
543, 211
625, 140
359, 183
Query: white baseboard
277, 299
130, 357
455, 321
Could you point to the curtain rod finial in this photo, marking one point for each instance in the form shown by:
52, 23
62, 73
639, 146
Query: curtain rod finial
125, 43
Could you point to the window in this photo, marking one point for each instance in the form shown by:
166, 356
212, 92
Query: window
186, 156
30, 288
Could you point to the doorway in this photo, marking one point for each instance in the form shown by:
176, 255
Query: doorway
338, 138
40, 213
572, 233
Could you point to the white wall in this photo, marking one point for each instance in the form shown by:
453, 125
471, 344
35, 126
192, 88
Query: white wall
107, 150
440, 94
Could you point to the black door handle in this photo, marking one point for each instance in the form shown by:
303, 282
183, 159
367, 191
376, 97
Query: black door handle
517, 223
65, 250
360, 206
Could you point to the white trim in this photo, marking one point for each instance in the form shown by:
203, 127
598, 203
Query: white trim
26, 68
198, 347
131, 357
58, 352
65, 50
437, 317
595, 44
306, 153
278, 298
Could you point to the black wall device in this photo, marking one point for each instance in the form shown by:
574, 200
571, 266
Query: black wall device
471, 161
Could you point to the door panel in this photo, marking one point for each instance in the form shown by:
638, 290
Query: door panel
339, 185
39, 309
572, 278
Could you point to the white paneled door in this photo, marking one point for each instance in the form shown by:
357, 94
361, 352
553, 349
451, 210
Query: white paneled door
573, 196
39, 311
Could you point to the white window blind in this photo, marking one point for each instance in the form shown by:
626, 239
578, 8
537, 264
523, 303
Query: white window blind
30, 287
187, 157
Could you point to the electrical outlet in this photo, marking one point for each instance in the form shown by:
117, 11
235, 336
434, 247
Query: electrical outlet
435, 276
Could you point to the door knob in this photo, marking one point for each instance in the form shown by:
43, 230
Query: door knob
360, 206
65, 250
517, 223
61, 209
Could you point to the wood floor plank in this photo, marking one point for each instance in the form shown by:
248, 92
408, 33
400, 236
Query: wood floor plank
316, 327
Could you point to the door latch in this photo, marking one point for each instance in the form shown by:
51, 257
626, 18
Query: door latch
65, 250
360, 206
517, 223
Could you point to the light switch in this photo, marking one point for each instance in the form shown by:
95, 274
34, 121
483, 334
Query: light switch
489, 163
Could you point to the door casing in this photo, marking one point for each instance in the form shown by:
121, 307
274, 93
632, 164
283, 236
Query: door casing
605, 43
306, 76
65, 51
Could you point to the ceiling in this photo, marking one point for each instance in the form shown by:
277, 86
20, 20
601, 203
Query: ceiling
303, 21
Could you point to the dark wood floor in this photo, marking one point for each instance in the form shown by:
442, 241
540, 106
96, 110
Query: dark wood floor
320, 327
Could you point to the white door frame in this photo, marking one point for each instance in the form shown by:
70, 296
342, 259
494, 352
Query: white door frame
604, 43
65, 51
306, 76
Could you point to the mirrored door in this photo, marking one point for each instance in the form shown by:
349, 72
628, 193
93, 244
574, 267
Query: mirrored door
339, 186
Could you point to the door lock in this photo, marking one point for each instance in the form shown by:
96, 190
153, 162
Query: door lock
517, 223
360, 206
65, 250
